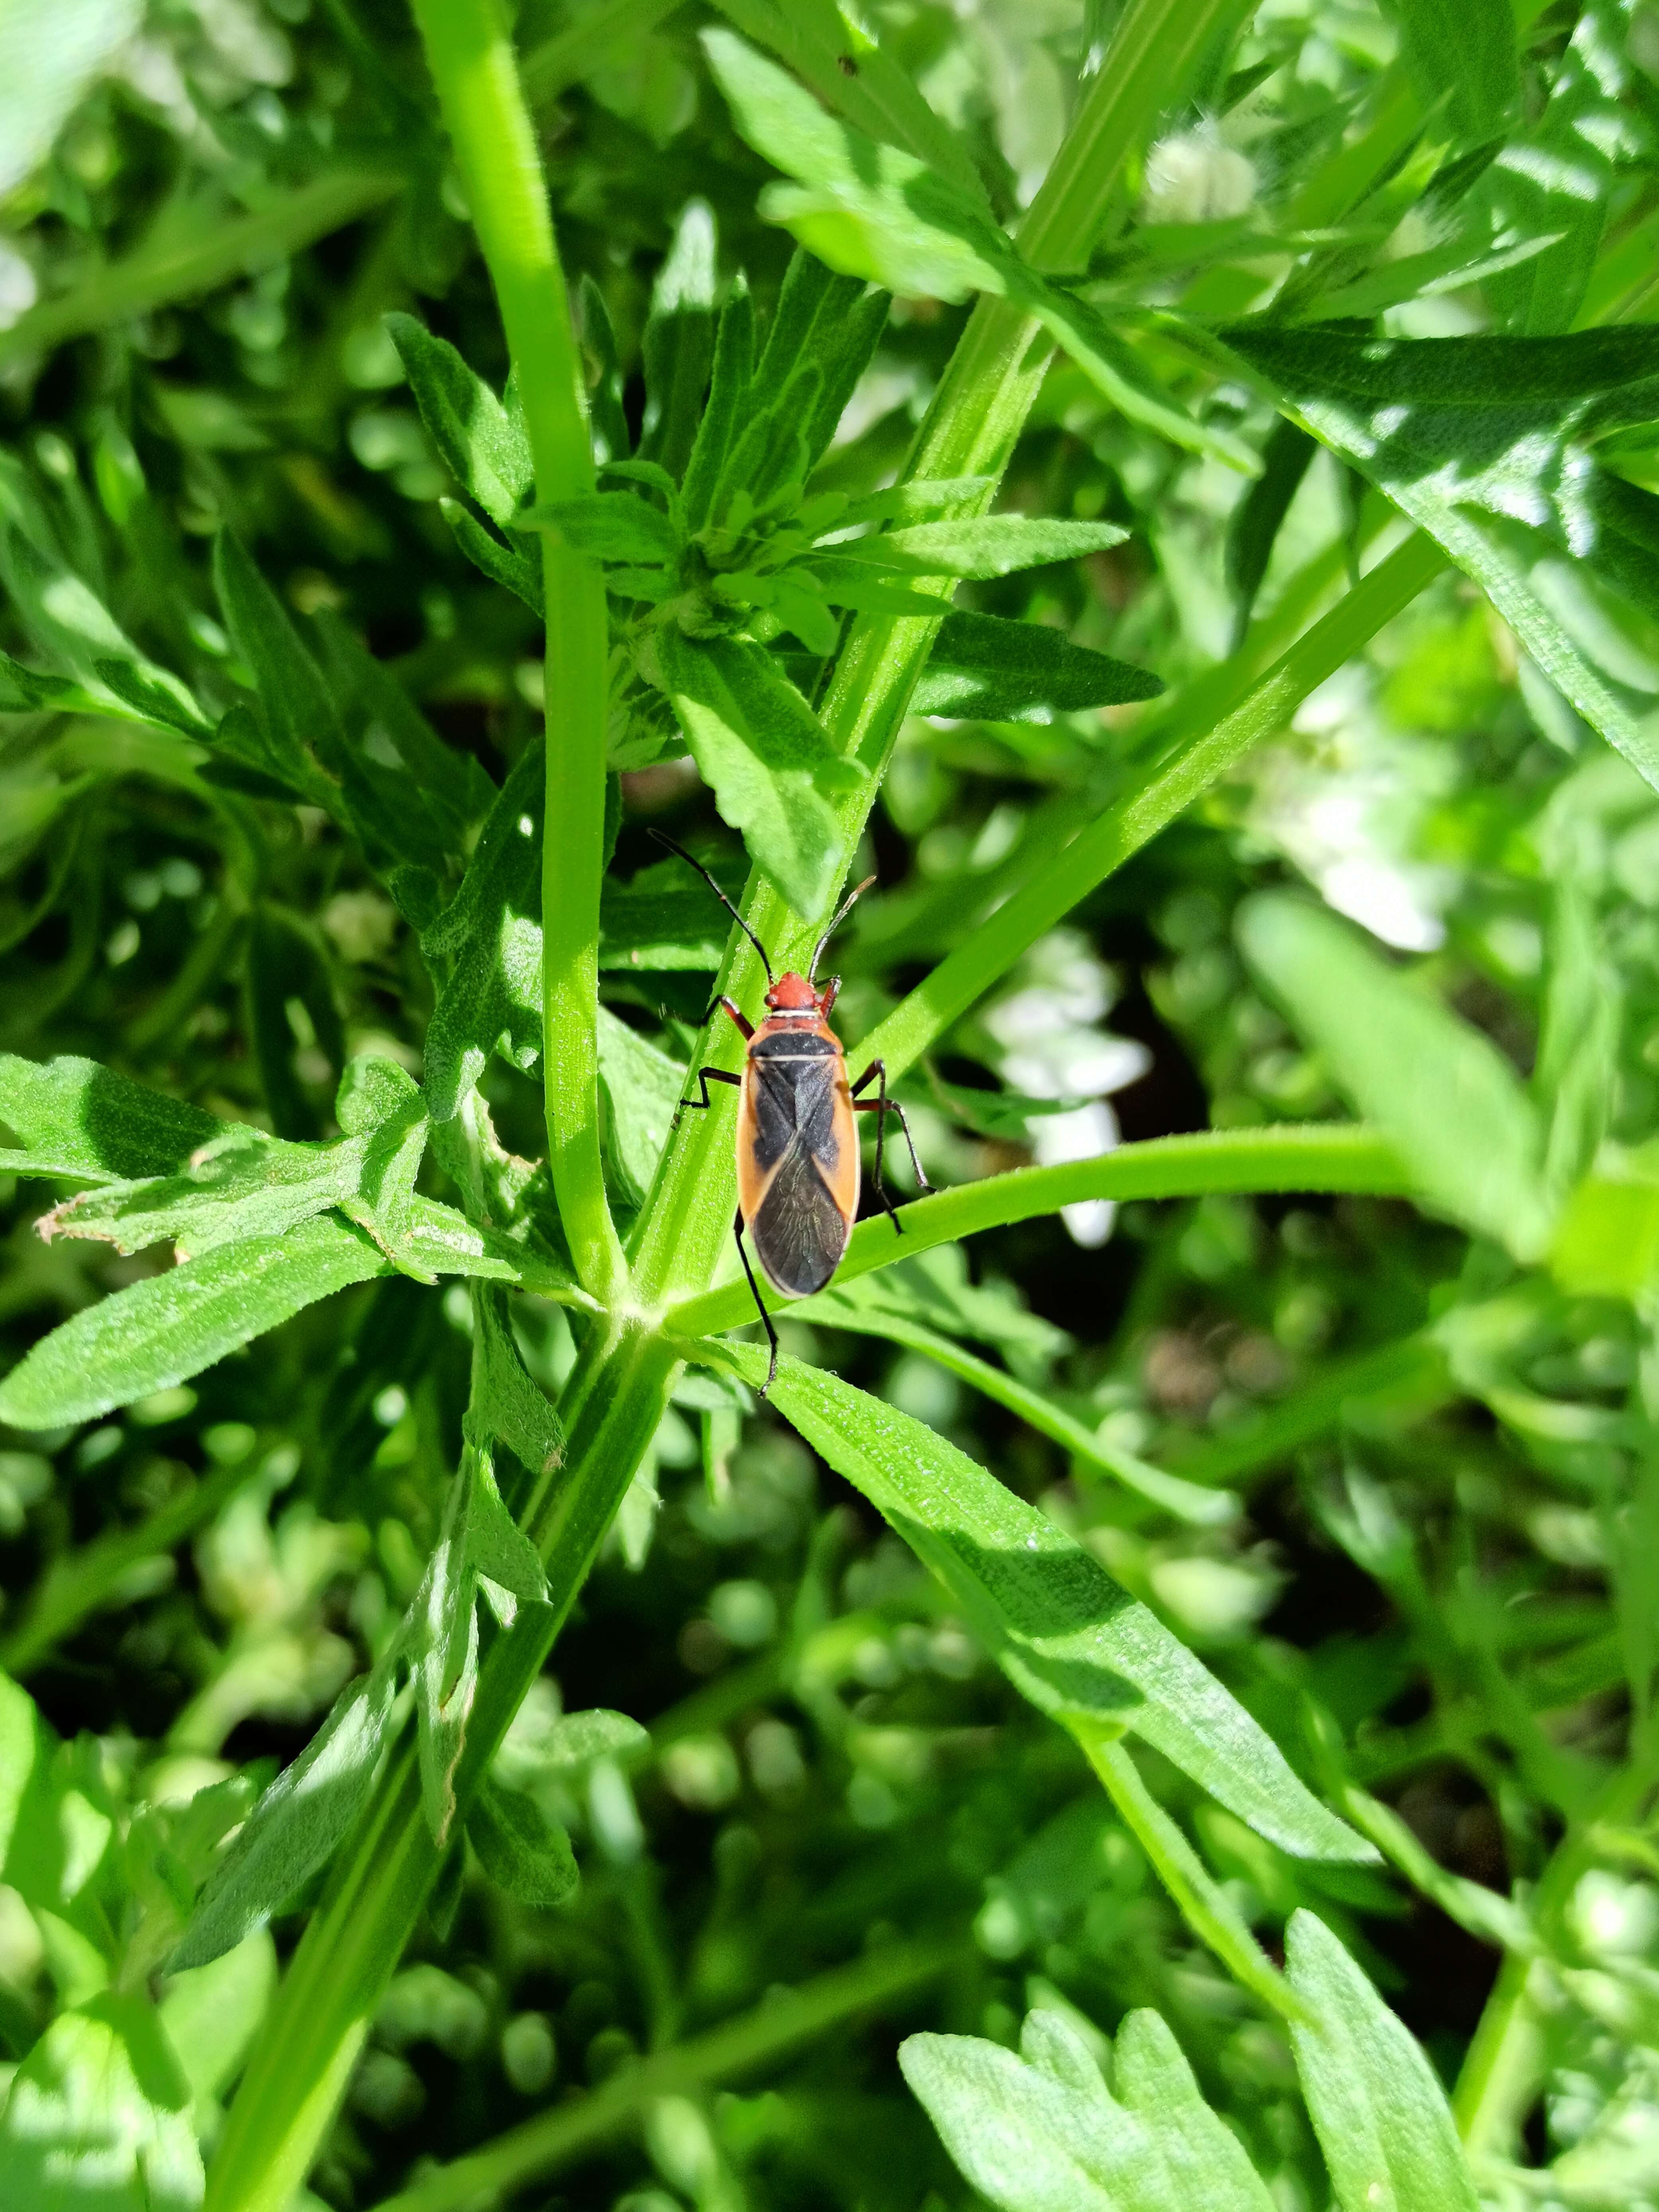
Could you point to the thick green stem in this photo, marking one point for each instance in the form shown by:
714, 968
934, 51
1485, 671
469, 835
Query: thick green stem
472, 62
379, 1884
774, 2030
1065, 879
1289, 1156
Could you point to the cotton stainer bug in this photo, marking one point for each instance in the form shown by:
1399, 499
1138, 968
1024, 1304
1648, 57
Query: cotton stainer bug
797, 1152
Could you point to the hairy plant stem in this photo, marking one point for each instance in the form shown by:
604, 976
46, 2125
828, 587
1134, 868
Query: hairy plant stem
471, 53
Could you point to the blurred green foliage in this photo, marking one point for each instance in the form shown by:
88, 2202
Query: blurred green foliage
265, 703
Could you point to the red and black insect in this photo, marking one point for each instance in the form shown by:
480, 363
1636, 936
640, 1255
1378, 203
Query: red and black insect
797, 1152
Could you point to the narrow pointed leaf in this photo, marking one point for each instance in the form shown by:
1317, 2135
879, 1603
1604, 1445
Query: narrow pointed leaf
1067, 1635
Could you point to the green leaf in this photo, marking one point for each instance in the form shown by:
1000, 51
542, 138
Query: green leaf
984, 668
491, 936
1253, 525
296, 707
526, 1854
1466, 57
1376, 2102
729, 392
296, 1826
577, 1739
161, 1331
71, 625
611, 525
604, 374
73, 1117
678, 341
1446, 1098
1608, 1243
868, 1307
763, 750
833, 52
99, 2118
1489, 443
449, 784
1042, 2132
212, 2013
1067, 1637
873, 211
642, 1088
483, 447
517, 568
661, 919
506, 1402
244, 1184
982, 546
1556, 180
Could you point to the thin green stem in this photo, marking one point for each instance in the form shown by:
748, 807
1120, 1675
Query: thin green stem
757, 2039
473, 66
1288, 1155
1064, 879
1202, 1903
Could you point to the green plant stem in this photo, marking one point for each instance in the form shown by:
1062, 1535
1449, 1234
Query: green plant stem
1064, 879
303, 2060
471, 53
976, 414
1201, 1902
756, 2040
77, 1583
1287, 1156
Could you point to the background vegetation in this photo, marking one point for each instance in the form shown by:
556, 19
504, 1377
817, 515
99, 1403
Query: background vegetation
1375, 836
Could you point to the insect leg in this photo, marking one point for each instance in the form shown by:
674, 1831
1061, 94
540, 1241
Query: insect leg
703, 1102
881, 1104
760, 1307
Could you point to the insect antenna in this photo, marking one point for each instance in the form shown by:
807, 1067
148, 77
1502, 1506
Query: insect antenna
721, 896
841, 912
